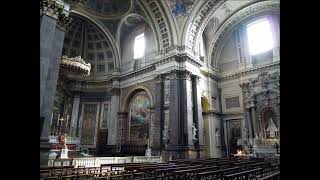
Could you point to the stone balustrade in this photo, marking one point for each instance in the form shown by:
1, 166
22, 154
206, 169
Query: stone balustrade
97, 161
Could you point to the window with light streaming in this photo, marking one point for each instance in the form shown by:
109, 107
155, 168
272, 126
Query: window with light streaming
139, 46
260, 37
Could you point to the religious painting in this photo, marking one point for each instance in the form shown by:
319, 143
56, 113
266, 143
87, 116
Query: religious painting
139, 115
88, 126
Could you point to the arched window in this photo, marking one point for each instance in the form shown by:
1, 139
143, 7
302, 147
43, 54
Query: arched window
139, 46
260, 37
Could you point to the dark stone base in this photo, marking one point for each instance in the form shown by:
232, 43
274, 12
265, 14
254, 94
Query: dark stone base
44, 151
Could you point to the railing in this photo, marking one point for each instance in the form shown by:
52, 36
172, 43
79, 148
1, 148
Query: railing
70, 140
97, 161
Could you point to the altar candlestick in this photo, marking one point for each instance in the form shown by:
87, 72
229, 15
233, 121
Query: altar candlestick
58, 120
51, 119
67, 121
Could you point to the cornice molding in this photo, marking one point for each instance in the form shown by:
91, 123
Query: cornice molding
251, 70
137, 72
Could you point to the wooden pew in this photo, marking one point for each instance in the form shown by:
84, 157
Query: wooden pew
191, 173
272, 176
249, 174
217, 173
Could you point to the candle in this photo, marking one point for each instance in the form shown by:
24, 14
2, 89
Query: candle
51, 119
67, 121
58, 120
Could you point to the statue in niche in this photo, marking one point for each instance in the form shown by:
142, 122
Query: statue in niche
194, 132
165, 133
272, 129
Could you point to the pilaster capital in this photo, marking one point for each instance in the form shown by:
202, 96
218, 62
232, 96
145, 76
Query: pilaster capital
159, 78
64, 20
115, 91
50, 8
185, 75
196, 79
57, 11
174, 74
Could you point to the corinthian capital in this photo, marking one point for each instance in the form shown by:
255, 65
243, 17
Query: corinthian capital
50, 8
115, 91
159, 78
185, 75
63, 21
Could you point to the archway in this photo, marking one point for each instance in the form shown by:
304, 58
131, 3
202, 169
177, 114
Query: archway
139, 118
136, 124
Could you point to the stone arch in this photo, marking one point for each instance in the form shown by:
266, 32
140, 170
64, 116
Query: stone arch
131, 93
139, 120
237, 18
106, 32
145, 19
197, 22
164, 24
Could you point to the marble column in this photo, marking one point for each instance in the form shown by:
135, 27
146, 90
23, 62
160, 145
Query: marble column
153, 131
159, 114
198, 118
174, 124
53, 20
245, 94
113, 125
186, 108
254, 120
75, 113
249, 121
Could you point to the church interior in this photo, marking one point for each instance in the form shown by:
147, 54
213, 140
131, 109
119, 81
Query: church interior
159, 89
